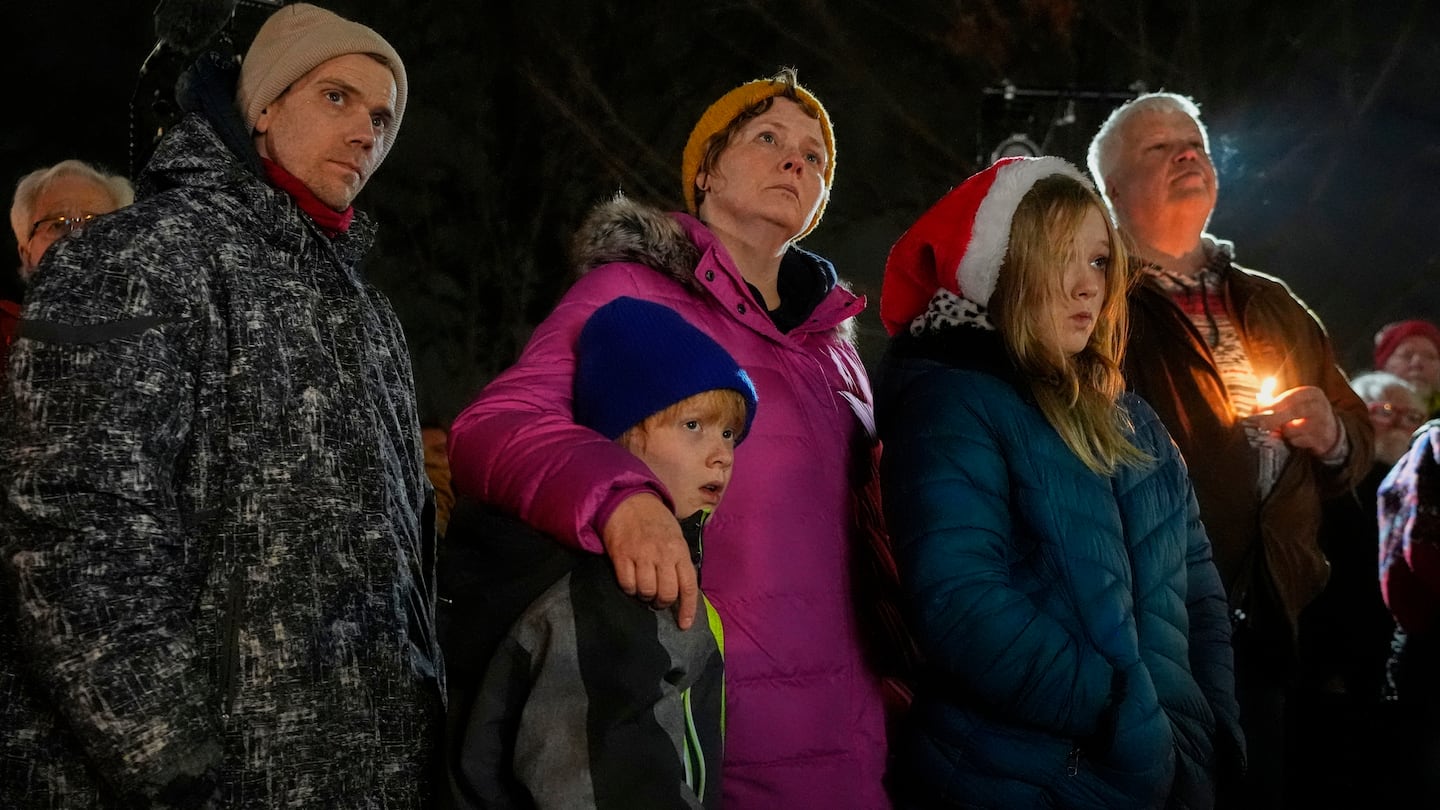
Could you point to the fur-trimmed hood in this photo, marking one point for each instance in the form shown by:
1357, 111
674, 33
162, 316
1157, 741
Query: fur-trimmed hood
621, 230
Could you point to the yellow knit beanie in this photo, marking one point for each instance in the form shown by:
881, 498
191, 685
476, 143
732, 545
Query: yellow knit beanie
723, 111
297, 39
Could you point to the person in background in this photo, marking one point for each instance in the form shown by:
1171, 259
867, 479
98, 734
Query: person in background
54, 201
1397, 409
217, 589
594, 700
1409, 509
436, 440
49, 203
805, 719
1205, 336
1342, 726
1411, 349
1058, 576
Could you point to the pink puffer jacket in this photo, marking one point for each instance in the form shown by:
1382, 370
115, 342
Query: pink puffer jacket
805, 724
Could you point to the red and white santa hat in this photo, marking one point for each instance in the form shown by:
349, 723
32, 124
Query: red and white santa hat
959, 244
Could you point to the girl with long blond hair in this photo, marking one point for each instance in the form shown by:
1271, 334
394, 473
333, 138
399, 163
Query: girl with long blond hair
1058, 578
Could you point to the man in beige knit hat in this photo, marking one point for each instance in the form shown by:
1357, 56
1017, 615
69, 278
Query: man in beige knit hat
324, 97
219, 582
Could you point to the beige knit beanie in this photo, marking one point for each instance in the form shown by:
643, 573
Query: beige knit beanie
294, 41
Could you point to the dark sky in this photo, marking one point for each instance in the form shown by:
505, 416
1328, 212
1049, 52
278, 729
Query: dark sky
1324, 116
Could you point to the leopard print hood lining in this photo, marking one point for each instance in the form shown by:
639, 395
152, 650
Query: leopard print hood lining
947, 310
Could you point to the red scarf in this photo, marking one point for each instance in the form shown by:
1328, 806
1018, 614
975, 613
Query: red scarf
332, 222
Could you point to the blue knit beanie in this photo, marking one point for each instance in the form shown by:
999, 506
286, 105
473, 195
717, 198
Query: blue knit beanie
635, 358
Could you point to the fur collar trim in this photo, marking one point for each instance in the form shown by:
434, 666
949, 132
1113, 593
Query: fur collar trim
622, 230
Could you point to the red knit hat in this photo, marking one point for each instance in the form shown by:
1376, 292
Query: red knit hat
961, 241
1391, 335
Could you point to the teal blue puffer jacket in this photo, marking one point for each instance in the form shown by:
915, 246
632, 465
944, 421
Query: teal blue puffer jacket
1075, 628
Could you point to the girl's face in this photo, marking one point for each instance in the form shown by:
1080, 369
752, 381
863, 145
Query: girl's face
1074, 307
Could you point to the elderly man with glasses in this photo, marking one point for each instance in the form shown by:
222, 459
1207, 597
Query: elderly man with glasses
50, 203
56, 200
217, 573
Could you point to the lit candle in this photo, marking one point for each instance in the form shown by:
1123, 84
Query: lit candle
1265, 397
1268, 444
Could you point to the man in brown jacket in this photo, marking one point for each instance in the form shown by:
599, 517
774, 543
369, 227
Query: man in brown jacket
1244, 377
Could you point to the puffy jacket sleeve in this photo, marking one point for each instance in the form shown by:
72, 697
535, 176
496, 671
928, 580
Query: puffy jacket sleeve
518, 447
98, 403
1211, 656
1208, 611
946, 482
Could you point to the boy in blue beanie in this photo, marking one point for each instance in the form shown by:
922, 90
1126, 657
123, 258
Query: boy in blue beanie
587, 697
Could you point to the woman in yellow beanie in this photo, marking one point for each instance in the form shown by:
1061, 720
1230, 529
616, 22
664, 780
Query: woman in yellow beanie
804, 715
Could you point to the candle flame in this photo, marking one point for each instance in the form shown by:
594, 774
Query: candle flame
1266, 395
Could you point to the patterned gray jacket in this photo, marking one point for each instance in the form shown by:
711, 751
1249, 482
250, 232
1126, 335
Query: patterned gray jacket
217, 589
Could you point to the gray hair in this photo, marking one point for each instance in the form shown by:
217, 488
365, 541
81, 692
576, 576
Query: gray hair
32, 185
1105, 146
1372, 385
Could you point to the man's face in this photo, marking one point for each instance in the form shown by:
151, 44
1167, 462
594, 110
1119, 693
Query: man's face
1394, 418
1163, 179
72, 198
332, 127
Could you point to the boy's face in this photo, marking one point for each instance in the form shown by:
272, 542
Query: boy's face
691, 450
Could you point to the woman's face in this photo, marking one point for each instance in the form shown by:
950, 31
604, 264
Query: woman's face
1417, 361
1075, 307
771, 174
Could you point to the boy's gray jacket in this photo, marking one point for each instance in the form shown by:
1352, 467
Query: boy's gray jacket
216, 584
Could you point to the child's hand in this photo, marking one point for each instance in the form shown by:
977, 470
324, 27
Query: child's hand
652, 561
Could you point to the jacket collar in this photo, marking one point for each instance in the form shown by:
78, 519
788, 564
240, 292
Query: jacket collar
965, 347
194, 155
682, 248
210, 148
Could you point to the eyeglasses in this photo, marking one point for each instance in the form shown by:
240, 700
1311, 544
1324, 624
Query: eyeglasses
1387, 413
57, 227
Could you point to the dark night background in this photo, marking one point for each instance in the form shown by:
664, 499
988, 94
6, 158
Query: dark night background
1323, 116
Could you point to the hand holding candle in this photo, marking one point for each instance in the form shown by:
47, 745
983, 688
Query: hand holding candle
1267, 441
1302, 417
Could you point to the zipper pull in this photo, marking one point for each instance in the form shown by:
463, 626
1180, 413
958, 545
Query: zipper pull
1072, 762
